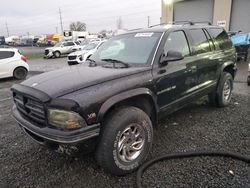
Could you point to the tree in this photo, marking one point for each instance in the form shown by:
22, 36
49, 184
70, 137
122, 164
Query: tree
119, 23
77, 26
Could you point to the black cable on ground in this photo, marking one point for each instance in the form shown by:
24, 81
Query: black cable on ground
190, 154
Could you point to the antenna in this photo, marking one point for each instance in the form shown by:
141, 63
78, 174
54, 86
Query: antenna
60, 13
7, 28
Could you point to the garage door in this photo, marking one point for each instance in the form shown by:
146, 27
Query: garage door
240, 16
194, 10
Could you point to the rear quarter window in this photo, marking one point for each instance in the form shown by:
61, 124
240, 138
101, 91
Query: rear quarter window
6, 54
221, 38
200, 41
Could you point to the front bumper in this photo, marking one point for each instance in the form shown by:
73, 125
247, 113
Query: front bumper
46, 134
48, 55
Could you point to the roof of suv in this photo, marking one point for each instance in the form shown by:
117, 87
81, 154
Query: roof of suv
165, 27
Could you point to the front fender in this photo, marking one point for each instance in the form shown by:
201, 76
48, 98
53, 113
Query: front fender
123, 96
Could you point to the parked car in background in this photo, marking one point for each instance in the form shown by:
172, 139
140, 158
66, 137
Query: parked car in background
59, 49
241, 43
13, 64
84, 43
82, 55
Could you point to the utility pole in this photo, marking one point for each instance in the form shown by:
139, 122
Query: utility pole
60, 13
7, 29
148, 21
56, 29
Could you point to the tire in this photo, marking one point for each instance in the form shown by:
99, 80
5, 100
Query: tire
57, 54
248, 80
223, 94
120, 130
245, 57
20, 73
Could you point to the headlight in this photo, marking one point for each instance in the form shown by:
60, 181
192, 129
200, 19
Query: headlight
80, 57
65, 119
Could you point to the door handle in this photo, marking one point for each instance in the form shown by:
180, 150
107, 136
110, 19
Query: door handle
193, 69
161, 71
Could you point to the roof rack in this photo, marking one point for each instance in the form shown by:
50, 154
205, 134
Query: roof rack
135, 29
203, 22
182, 23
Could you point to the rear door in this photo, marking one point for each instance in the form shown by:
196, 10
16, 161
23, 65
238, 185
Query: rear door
206, 61
6, 65
174, 79
224, 47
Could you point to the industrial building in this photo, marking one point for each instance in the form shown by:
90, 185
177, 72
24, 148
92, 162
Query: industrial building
233, 15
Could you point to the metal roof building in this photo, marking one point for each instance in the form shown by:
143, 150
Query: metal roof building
234, 15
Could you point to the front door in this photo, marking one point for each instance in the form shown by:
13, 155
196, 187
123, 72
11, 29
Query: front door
175, 79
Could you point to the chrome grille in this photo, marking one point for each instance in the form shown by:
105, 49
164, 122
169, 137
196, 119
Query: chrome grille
72, 57
30, 109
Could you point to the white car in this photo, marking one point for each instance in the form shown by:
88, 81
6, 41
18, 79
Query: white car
84, 43
60, 49
13, 64
82, 55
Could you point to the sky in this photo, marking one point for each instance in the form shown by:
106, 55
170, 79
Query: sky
38, 17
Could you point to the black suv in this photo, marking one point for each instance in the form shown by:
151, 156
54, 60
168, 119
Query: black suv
118, 95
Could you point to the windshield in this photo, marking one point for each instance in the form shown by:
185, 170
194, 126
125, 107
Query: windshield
58, 44
90, 46
132, 48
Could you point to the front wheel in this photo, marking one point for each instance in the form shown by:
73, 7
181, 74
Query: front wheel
222, 96
248, 80
57, 54
125, 141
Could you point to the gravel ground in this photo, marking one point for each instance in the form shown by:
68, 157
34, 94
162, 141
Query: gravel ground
23, 163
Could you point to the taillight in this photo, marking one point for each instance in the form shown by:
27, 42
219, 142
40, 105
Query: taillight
24, 58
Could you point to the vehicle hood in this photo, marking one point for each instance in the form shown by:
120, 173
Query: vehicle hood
50, 48
67, 80
80, 52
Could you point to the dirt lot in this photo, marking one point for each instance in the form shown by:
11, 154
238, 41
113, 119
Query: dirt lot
23, 163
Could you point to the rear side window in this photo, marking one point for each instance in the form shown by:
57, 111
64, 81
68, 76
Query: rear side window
6, 54
201, 44
177, 42
221, 38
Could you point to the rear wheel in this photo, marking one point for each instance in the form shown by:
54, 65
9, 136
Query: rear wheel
223, 94
125, 141
20, 73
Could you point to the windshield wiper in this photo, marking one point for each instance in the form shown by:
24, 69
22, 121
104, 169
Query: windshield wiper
92, 62
114, 61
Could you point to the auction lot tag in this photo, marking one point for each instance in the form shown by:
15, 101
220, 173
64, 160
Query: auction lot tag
144, 34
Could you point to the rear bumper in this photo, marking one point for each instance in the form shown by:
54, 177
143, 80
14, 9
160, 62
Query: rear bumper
46, 134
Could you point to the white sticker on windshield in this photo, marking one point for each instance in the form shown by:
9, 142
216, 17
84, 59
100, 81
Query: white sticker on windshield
144, 34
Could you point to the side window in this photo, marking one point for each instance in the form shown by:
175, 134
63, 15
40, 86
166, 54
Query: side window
69, 44
201, 44
177, 41
221, 38
210, 40
6, 54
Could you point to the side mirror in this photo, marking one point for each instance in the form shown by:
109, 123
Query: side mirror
171, 56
